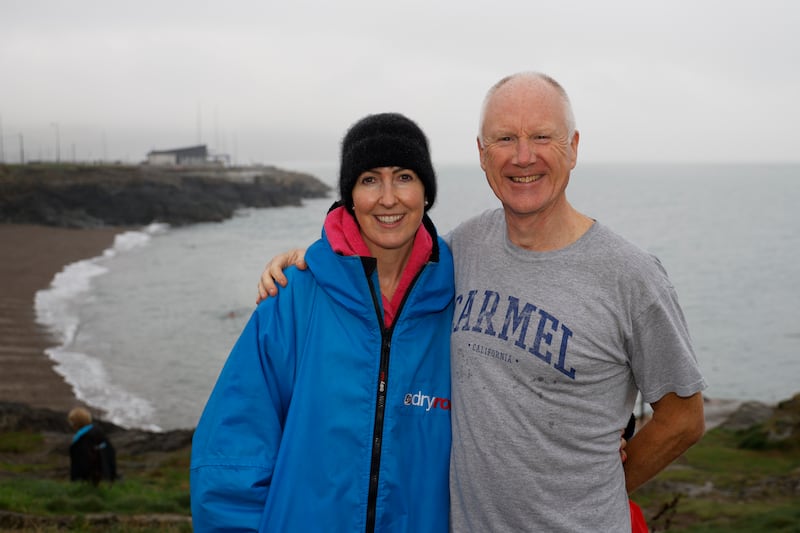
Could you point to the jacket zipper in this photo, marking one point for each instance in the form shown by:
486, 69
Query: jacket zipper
380, 408
377, 440
380, 403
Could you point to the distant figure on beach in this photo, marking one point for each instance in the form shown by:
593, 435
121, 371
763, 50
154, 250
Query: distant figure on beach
92, 457
332, 412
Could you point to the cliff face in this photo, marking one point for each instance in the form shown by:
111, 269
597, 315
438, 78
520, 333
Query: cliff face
118, 195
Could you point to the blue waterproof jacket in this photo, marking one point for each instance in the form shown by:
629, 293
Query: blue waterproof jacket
324, 420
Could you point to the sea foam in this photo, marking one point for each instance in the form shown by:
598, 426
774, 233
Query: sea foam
56, 309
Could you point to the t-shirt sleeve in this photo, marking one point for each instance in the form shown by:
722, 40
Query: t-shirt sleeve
662, 356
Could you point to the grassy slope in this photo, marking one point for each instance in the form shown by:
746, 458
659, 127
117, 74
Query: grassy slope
717, 486
35, 494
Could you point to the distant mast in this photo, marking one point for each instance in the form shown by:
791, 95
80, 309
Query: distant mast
2, 150
199, 124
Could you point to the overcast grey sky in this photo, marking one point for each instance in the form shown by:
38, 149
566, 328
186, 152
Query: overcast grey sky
279, 82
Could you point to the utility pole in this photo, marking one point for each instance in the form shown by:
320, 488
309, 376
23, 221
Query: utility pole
2, 151
105, 147
199, 125
58, 142
21, 150
216, 131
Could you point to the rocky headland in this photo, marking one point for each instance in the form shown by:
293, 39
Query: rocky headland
84, 196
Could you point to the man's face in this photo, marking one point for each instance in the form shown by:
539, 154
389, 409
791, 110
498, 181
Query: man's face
527, 152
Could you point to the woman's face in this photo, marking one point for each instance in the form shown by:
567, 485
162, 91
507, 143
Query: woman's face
388, 203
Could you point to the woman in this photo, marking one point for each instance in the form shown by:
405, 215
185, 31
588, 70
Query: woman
332, 411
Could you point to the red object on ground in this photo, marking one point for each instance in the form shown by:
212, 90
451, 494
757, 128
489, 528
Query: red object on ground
638, 524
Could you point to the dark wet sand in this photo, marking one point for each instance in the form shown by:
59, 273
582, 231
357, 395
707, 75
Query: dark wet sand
31, 257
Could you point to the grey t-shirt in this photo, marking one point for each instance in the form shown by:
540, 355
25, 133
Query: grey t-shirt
548, 352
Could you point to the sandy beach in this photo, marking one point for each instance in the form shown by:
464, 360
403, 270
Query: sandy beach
31, 257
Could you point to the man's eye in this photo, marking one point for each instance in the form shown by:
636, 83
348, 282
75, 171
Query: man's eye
541, 139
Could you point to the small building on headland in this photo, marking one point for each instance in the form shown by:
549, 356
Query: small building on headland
189, 156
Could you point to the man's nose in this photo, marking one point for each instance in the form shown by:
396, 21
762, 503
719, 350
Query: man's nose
525, 153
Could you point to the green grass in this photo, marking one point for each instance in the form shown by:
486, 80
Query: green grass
748, 518
717, 486
738, 489
130, 496
719, 458
156, 485
19, 441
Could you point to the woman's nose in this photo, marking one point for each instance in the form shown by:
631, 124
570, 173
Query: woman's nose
388, 196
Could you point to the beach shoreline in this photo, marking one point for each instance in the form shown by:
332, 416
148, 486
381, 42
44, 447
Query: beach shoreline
32, 256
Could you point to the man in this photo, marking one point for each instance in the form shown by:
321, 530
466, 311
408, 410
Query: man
558, 323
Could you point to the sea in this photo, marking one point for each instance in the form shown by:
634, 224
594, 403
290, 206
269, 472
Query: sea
144, 329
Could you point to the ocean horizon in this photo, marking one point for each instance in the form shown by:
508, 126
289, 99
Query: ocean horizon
145, 328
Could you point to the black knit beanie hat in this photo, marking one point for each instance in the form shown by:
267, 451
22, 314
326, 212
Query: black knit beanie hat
385, 140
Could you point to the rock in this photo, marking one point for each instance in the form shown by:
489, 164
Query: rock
138, 442
21, 417
784, 426
717, 411
760, 426
748, 414
117, 195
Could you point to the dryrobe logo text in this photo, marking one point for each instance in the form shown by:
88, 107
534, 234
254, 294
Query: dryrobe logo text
427, 402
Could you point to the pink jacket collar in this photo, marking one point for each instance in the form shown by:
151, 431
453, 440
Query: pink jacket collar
345, 238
